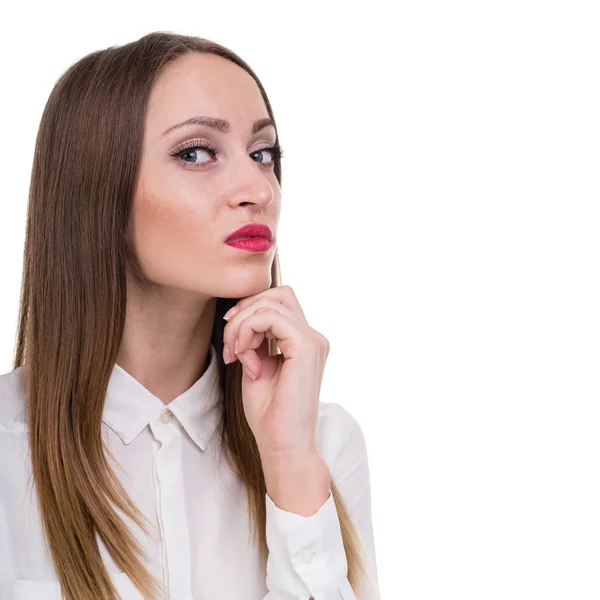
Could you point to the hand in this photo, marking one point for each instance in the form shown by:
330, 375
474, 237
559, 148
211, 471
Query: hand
282, 404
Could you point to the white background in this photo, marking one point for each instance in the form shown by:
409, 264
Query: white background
440, 226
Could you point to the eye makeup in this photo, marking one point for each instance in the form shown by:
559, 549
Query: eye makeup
196, 144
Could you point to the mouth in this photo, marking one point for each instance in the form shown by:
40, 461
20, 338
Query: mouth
251, 244
251, 231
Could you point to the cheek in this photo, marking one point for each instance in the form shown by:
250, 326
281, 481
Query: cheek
174, 240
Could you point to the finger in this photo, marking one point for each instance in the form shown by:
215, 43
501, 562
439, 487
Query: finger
231, 333
291, 338
255, 342
283, 294
252, 357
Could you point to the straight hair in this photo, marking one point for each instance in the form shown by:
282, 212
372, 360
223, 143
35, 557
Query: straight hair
72, 310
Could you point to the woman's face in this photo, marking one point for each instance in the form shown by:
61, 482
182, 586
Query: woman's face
189, 200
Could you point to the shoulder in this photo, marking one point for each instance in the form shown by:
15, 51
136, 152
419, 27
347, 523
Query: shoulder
15, 466
338, 431
12, 401
335, 416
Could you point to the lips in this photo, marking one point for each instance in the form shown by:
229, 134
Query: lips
251, 230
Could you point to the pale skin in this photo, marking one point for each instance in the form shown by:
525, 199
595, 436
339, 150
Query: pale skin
184, 209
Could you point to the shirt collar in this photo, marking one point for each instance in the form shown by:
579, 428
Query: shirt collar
129, 406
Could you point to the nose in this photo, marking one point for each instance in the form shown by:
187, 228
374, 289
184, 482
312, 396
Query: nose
250, 183
261, 198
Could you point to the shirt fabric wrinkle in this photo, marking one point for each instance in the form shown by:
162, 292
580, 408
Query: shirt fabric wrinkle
200, 543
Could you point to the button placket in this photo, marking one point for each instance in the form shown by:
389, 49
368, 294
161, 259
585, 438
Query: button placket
171, 508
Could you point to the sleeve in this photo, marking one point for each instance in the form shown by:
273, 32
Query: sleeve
306, 558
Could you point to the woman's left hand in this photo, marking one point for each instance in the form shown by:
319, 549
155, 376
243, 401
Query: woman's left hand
282, 403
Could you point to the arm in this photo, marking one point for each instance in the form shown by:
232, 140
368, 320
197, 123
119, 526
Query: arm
306, 551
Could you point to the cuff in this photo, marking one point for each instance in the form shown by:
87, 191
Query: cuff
306, 554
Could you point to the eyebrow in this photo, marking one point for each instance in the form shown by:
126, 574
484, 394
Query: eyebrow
219, 124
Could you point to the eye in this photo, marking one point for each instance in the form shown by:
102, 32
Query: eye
192, 149
275, 151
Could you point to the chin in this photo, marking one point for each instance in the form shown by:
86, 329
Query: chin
242, 285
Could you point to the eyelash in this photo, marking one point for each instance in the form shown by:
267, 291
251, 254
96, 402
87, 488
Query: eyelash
276, 151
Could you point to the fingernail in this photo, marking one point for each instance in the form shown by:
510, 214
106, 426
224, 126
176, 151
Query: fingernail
230, 313
235, 350
226, 354
249, 373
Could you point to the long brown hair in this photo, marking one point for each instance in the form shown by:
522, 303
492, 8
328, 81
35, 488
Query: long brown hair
72, 315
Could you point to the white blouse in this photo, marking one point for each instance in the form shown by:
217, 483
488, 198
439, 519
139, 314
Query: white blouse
172, 470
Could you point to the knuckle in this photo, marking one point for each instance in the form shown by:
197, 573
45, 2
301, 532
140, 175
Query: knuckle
323, 342
268, 309
268, 301
316, 344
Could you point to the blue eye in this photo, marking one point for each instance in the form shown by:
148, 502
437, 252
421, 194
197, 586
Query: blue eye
180, 155
190, 148
276, 151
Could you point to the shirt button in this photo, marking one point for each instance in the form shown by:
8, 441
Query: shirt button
306, 556
165, 417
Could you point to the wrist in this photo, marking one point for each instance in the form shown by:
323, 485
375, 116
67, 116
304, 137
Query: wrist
298, 484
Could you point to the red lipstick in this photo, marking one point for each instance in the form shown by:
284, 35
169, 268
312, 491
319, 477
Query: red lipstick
253, 237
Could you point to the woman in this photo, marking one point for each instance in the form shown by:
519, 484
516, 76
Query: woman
149, 159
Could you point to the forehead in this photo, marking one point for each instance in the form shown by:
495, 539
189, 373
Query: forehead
204, 84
